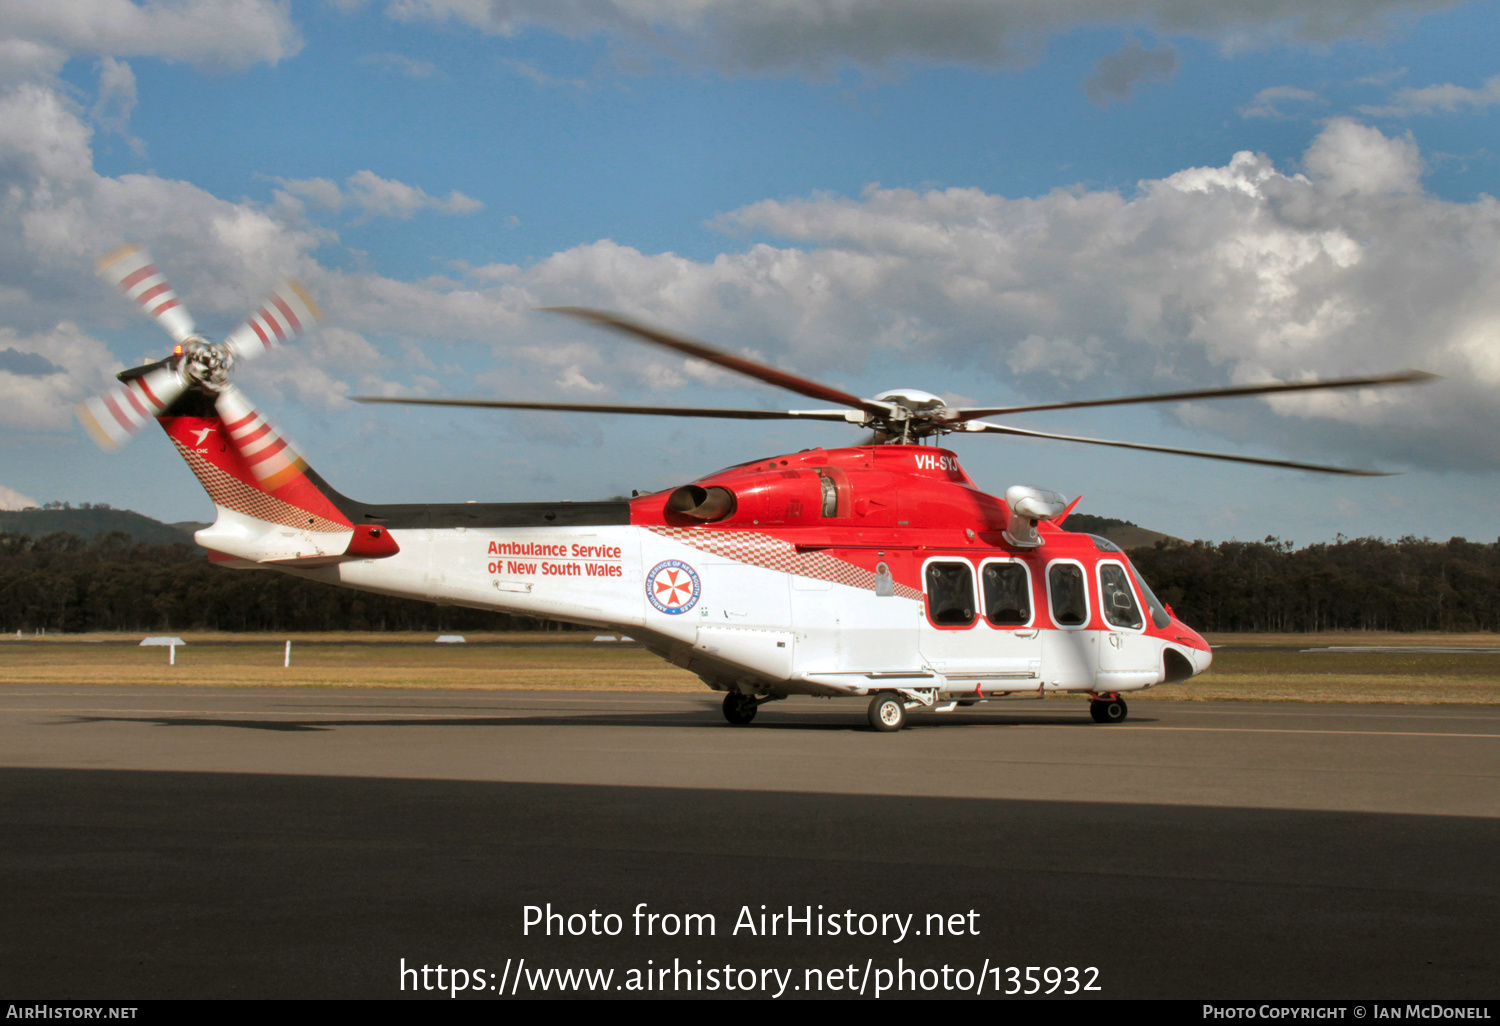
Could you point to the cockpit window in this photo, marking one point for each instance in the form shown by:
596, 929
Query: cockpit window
950, 594
1116, 597
1007, 594
1159, 614
1103, 544
1070, 597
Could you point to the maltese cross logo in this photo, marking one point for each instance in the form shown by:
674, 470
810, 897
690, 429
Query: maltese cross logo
672, 586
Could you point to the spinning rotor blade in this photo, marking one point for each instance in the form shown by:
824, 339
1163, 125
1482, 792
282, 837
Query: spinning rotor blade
699, 351
131, 270
1318, 468
113, 417
286, 314
653, 411
270, 457
1406, 377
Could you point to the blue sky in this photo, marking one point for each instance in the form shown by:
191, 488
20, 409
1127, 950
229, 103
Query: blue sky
996, 202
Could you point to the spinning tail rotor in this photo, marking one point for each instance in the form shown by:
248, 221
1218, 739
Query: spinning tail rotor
150, 391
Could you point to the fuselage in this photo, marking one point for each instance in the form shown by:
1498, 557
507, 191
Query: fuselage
828, 572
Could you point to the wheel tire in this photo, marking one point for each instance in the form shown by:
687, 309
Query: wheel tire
887, 712
1096, 710
739, 709
1115, 711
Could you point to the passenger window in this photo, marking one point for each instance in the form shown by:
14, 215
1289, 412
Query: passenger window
1118, 600
1007, 594
1070, 600
950, 594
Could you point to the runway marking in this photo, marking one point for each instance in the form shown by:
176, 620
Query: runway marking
358, 714
210, 713
1281, 730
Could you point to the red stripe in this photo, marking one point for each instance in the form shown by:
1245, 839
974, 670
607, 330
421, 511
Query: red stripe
136, 402
247, 418
164, 307
291, 318
134, 278
255, 435
273, 324
109, 404
152, 293
150, 394
266, 453
263, 340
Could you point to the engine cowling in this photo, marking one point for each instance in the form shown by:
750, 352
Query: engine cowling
699, 503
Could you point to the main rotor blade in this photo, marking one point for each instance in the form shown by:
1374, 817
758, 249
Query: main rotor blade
699, 351
652, 411
286, 313
1406, 377
1317, 468
131, 270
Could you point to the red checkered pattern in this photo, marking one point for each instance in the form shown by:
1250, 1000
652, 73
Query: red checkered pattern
775, 554
236, 495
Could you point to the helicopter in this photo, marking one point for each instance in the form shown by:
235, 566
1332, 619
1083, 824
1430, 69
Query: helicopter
879, 571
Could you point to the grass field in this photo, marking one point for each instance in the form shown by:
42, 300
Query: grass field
1255, 667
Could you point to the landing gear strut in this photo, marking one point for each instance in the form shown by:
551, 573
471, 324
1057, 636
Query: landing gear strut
739, 709
1108, 709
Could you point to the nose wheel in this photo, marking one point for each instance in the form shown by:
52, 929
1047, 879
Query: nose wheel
1108, 710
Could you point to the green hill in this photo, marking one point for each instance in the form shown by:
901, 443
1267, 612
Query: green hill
1122, 532
92, 521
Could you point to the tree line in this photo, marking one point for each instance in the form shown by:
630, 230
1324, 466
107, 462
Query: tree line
60, 582
1413, 584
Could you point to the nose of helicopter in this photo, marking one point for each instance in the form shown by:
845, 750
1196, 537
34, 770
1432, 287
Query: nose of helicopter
1199, 654
1201, 658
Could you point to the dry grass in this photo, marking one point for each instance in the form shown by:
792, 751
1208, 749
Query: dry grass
1260, 667
343, 660
1277, 667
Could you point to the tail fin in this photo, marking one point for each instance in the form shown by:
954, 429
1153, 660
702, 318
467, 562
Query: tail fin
270, 509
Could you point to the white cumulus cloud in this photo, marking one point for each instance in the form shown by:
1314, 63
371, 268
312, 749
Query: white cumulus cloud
12, 499
229, 34
1446, 98
1223, 274
371, 196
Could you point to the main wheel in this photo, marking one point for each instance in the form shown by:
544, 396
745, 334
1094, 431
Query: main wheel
887, 712
1113, 711
739, 709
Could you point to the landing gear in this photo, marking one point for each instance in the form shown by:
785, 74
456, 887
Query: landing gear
1108, 710
887, 712
739, 709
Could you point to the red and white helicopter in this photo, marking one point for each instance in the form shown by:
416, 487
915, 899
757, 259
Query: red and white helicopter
878, 571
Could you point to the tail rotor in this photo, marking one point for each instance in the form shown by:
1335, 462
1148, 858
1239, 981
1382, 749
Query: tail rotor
144, 393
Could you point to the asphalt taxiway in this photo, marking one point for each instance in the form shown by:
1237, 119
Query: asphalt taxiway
163, 842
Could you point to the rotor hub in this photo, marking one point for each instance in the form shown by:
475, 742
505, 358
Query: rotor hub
207, 363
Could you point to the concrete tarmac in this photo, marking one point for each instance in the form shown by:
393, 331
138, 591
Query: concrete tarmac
268, 842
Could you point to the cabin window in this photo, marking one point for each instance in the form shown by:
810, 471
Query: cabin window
1118, 600
1007, 594
950, 594
1069, 593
